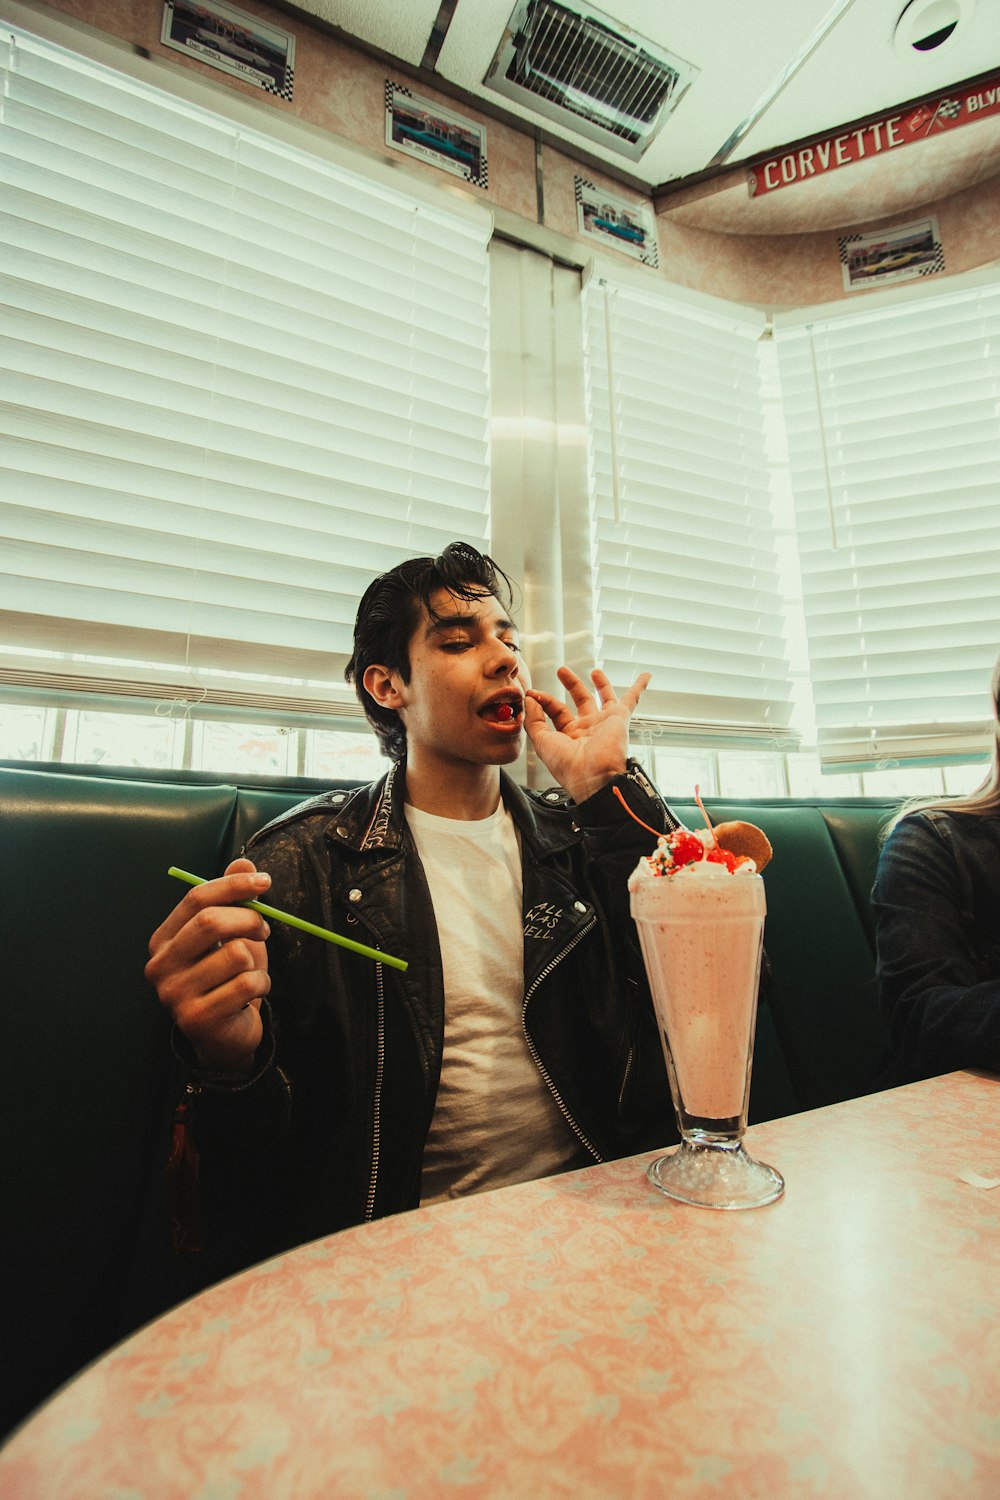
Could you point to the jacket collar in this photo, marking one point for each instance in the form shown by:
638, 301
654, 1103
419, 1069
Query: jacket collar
371, 820
382, 831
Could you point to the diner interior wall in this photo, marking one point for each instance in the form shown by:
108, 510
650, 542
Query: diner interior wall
783, 251
712, 237
341, 89
804, 269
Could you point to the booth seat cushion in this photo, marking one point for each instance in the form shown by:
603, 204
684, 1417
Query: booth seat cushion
857, 830
85, 1070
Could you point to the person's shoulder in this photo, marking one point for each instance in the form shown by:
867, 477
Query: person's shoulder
923, 817
931, 833
939, 821
309, 819
921, 824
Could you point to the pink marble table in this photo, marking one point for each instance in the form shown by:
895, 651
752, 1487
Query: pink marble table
585, 1336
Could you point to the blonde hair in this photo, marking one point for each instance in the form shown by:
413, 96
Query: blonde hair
984, 802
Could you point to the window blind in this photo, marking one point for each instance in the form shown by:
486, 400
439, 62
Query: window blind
893, 419
684, 542
237, 379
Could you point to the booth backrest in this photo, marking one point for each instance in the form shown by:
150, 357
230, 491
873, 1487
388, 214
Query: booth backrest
86, 1076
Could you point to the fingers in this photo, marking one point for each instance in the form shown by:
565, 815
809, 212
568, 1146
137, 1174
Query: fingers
534, 712
583, 699
241, 882
560, 713
536, 725
214, 927
216, 1001
544, 705
215, 946
578, 689
630, 697
208, 965
221, 983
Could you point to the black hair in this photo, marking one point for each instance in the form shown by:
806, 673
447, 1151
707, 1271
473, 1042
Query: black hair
389, 613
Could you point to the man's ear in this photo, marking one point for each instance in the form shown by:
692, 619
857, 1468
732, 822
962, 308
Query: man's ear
381, 684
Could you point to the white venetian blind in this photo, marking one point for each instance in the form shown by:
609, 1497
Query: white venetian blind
237, 380
684, 536
893, 420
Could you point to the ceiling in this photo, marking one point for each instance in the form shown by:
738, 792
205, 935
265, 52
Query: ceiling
771, 73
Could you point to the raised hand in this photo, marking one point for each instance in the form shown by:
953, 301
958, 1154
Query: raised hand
208, 965
586, 745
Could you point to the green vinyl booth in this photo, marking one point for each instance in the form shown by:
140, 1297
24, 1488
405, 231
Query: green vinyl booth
87, 1079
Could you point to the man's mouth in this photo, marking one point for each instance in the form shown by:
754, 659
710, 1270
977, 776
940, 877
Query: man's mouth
505, 711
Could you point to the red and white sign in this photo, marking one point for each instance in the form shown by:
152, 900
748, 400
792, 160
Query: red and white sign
957, 107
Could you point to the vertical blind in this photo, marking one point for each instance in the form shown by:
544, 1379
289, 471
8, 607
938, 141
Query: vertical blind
893, 421
237, 381
683, 530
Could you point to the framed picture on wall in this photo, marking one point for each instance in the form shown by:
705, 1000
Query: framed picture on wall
426, 130
241, 45
886, 256
618, 223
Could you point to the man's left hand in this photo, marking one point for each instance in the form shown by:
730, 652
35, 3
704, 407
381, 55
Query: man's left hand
584, 746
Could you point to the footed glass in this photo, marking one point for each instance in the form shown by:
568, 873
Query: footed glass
701, 933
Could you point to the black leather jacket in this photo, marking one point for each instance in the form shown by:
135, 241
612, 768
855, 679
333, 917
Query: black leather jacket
330, 1129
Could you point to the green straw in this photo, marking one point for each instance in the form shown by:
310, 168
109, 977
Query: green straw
320, 932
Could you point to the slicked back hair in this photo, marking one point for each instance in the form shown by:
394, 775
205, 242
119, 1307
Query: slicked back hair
391, 610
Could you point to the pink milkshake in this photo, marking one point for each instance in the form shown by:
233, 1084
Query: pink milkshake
699, 911
701, 930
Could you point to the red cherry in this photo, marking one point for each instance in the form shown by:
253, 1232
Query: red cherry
720, 856
504, 712
685, 847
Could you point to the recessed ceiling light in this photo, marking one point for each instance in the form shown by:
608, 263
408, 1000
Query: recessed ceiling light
925, 25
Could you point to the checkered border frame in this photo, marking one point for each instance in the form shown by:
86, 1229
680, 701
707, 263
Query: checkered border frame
650, 256
932, 268
479, 179
268, 85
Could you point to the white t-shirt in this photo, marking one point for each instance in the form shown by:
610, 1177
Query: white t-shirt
495, 1121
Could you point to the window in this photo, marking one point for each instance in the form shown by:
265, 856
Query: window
241, 375
684, 541
893, 420
239, 381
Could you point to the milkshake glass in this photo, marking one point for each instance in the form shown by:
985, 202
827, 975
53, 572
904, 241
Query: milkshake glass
701, 931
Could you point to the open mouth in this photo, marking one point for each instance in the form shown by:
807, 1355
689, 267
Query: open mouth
506, 712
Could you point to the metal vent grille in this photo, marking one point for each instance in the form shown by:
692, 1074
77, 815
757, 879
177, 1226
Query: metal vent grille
616, 87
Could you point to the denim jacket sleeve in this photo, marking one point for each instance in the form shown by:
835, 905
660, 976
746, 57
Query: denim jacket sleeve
939, 983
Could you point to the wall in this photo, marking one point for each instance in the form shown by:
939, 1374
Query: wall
342, 89
782, 249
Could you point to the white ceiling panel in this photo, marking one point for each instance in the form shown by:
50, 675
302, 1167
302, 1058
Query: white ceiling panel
858, 71
729, 83
399, 27
772, 72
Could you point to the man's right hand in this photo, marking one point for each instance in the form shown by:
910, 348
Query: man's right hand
208, 965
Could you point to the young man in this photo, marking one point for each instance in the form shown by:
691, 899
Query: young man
324, 1088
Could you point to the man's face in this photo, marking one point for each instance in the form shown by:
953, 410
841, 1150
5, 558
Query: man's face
465, 697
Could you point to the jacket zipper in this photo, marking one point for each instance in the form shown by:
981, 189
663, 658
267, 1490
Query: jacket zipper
534, 1052
628, 1073
377, 1107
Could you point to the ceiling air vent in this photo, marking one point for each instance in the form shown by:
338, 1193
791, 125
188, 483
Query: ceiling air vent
589, 72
